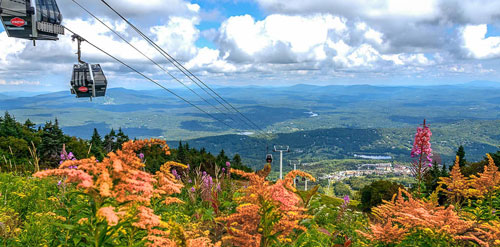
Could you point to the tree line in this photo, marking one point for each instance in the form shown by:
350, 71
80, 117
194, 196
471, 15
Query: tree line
25, 147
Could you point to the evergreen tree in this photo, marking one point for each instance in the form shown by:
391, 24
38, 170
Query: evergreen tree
109, 143
236, 162
29, 125
181, 154
432, 177
8, 126
51, 145
96, 148
444, 171
221, 159
121, 138
461, 156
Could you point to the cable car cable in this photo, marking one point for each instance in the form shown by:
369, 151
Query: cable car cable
154, 62
182, 68
154, 45
148, 78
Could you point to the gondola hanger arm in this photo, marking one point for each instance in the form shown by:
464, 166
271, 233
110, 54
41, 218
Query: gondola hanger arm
79, 40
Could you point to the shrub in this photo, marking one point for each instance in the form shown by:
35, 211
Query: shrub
373, 194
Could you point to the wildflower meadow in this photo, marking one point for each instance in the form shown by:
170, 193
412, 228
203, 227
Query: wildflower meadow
137, 195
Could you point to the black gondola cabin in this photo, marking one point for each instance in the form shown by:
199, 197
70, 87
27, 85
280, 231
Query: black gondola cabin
86, 83
21, 20
269, 158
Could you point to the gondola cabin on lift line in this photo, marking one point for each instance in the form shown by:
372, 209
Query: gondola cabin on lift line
88, 81
21, 20
269, 158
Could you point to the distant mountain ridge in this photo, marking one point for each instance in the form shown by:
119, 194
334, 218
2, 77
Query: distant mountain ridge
301, 107
295, 87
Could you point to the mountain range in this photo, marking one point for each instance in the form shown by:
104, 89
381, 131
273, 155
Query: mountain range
469, 111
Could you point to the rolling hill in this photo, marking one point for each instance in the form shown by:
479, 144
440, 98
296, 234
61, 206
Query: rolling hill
322, 122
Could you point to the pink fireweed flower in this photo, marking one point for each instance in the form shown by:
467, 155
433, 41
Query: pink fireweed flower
422, 151
422, 144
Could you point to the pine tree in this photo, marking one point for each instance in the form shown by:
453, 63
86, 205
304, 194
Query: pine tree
121, 138
432, 177
221, 159
181, 154
96, 140
8, 126
96, 149
52, 142
236, 162
461, 156
444, 171
29, 125
109, 143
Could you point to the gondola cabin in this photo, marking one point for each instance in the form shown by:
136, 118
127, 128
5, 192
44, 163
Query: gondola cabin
86, 83
21, 20
269, 158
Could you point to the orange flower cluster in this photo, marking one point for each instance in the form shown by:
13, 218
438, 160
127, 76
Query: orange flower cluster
120, 176
488, 181
398, 217
109, 214
486, 234
458, 187
262, 203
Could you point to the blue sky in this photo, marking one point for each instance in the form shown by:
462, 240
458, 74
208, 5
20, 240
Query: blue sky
272, 42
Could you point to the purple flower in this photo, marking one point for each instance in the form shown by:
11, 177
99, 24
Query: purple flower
218, 187
223, 169
177, 176
59, 183
71, 156
190, 181
449, 189
141, 156
192, 189
204, 173
228, 164
347, 199
188, 167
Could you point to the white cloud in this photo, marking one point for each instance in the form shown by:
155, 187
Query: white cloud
209, 60
278, 38
17, 83
299, 39
377, 9
477, 45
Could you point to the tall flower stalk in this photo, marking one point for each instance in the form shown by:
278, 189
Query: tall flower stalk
422, 151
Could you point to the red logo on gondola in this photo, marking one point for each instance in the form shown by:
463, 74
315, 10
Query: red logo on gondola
18, 22
83, 89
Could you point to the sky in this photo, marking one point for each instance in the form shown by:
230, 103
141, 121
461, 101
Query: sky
270, 43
